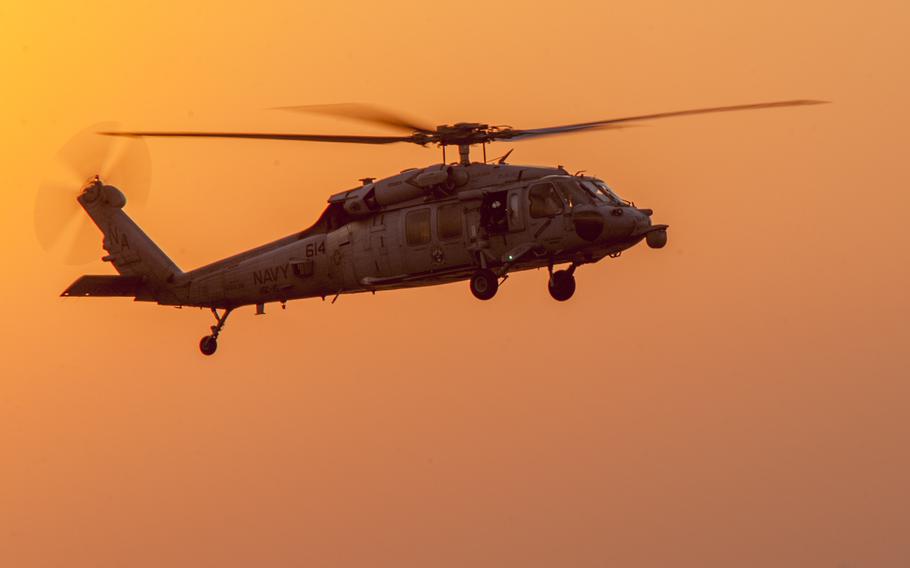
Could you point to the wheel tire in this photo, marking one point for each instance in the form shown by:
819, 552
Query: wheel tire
484, 284
208, 345
561, 285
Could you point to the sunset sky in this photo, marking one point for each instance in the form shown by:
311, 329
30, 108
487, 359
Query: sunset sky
738, 398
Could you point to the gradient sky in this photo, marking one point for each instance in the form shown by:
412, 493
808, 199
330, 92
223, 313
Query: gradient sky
739, 398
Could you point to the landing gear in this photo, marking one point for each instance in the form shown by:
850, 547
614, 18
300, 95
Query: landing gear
209, 344
484, 284
562, 284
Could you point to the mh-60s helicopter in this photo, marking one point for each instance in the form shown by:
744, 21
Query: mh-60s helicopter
475, 221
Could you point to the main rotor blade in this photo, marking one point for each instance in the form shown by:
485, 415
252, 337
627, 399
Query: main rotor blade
612, 122
365, 113
275, 136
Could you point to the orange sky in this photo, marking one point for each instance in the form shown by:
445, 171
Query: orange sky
738, 398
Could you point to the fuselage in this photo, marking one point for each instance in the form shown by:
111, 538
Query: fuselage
511, 218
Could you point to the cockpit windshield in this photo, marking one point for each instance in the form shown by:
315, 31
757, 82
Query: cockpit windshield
573, 194
601, 191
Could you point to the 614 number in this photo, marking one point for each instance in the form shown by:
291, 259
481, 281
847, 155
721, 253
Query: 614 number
312, 249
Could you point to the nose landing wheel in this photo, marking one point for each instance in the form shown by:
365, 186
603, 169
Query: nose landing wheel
562, 285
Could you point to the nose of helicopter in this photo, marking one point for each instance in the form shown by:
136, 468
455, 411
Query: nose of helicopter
655, 235
642, 219
610, 224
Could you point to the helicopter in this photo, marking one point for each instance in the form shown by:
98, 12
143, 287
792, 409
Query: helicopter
478, 221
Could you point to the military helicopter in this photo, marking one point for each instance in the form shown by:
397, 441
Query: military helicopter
478, 221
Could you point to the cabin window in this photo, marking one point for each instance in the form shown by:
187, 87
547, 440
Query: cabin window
449, 221
544, 201
417, 227
514, 210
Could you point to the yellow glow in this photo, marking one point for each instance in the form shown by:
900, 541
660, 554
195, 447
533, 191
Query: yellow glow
737, 398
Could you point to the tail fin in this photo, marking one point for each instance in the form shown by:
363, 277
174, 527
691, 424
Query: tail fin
129, 249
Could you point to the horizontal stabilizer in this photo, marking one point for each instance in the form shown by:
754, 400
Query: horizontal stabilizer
97, 285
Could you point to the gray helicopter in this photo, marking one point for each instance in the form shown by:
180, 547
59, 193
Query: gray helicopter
466, 220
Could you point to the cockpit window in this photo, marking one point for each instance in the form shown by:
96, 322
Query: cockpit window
595, 191
573, 193
600, 190
544, 200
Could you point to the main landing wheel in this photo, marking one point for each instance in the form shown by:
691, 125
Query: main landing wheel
484, 284
561, 285
208, 345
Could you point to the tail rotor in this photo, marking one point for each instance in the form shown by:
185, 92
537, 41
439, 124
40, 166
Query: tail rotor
60, 224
